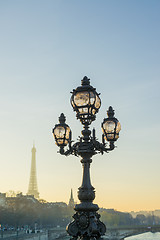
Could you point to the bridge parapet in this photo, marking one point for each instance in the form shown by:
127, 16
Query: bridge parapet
32, 236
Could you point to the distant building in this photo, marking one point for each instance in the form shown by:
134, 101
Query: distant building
3, 199
58, 204
20, 199
71, 200
33, 188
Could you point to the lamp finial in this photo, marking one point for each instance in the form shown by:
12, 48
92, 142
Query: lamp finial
85, 81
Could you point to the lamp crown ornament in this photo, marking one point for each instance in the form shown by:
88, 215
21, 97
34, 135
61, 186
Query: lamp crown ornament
62, 118
85, 81
86, 103
110, 112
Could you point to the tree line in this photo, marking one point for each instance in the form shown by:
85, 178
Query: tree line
21, 212
114, 218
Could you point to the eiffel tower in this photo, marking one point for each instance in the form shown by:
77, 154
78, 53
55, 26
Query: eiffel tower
33, 188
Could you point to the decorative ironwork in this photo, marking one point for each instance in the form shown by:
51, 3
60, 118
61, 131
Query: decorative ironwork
86, 102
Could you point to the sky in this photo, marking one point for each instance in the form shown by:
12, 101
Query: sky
46, 48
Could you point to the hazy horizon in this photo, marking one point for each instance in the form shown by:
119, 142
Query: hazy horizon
46, 48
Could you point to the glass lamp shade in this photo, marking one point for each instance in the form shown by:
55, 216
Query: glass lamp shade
111, 126
85, 101
62, 132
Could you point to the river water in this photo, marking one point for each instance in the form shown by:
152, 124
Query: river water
145, 236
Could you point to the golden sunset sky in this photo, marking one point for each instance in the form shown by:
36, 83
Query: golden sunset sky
46, 48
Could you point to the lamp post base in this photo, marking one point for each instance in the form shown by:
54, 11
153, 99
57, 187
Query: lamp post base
86, 226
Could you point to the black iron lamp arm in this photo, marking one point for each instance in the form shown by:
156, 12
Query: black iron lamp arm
101, 147
72, 149
93, 144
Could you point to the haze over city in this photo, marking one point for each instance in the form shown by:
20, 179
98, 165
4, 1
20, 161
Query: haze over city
46, 48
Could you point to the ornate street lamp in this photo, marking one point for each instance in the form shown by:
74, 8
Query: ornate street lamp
111, 126
62, 133
86, 102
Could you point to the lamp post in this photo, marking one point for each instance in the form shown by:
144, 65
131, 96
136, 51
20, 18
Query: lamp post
86, 103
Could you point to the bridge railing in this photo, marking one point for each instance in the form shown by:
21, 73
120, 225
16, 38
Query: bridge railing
23, 235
